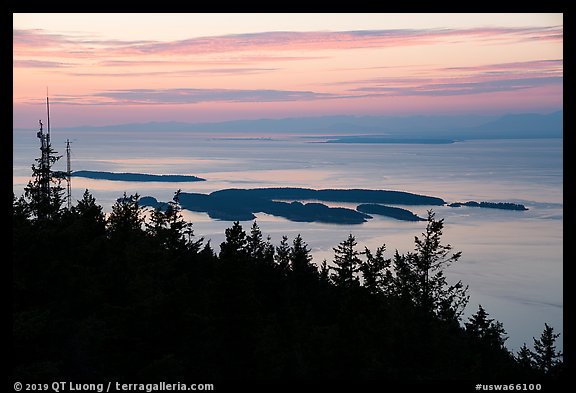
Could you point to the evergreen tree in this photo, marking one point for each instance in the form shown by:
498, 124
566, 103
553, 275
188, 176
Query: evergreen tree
325, 273
405, 284
20, 209
168, 227
282, 256
524, 358
490, 332
269, 250
234, 248
347, 263
90, 214
376, 275
126, 216
300, 259
546, 358
207, 253
186, 227
88, 209
259, 250
255, 244
420, 274
44, 194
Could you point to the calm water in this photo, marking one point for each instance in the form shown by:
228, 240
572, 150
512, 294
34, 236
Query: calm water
512, 261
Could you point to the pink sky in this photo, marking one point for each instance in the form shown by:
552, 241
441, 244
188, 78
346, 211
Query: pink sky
122, 68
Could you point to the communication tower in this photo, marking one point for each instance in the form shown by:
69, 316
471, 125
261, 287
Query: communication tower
68, 174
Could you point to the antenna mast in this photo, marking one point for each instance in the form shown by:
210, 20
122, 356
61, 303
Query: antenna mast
48, 112
46, 174
45, 149
68, 174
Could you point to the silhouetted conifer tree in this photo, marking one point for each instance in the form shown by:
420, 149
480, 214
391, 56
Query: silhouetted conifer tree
234, 248
524, 358
406, 279
44, 194
20, 209
485, 329
325, 273
347, 263
420, 274
545, 357
259, 250
90, 214
168, 227
300, 259
126, 216
207, 253
282, 256
376, 275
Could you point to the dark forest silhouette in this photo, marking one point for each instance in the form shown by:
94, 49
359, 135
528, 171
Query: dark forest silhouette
138, 295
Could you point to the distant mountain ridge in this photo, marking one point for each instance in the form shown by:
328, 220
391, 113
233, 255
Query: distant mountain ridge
527, 125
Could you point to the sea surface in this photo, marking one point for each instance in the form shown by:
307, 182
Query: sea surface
511, 260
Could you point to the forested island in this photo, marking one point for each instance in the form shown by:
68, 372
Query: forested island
373, 139
334, 195
135, 177
241, 204
491, 205
388, 211
243, 209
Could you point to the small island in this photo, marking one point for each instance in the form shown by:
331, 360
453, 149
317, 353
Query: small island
388, 211
390, 140
240, 206
136, 177
332, 195
491, 205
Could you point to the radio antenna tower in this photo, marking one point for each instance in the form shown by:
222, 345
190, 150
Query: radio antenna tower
48, 114
45, 148
46, 175
68, 174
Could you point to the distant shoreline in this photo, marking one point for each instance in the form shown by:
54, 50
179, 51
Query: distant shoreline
136, 177
490, 205
388, 140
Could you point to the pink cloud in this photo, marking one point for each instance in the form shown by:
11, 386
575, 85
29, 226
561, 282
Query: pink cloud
186, 96
178, 73
227, 60
338, 40
53, 44
35, 38
487, 78
462, 87
522, 66
39, 64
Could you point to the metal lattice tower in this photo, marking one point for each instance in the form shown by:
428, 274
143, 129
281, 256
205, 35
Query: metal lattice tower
45, 159
68, 174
